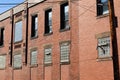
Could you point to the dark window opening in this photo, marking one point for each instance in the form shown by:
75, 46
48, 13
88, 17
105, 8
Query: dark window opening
64, 8
1, 36
102, 7
34, 28
48, 21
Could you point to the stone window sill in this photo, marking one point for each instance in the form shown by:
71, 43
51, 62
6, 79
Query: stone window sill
65, 62
109, 58
47, 34
66, 29
17, 68
33, 65
34, 37
47, 64
102, 16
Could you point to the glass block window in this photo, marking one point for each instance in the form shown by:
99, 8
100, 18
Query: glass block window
18, 31
104, 47
102, 7
48, 55
34, 57
64, 52
17, 61
2, 61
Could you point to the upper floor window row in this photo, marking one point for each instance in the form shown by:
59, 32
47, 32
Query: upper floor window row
102, 7
64, 20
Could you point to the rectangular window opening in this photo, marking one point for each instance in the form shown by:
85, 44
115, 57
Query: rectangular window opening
18, 31
64, 52
64, 8
34, 27
102, 7
103, 47
17, 61
2, 61
1, 36
34, 57
48, 55
48, 21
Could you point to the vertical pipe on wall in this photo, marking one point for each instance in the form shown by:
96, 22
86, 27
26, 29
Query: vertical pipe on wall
26, 49
11, 43
113, 40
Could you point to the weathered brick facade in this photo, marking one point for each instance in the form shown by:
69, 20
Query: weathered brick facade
85, 29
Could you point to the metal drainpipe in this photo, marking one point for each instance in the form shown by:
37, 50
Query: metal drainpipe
114, 40
26, 49
11, 50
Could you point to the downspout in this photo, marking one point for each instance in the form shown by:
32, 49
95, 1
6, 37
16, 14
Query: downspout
11, 48
26, 49
114, 40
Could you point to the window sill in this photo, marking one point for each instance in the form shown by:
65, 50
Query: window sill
1, 46
17, 68
66, 29
33, 65
18, 42
47, 34
102, 16
47, 64
34, 37
2, 68
104, 59
65, 62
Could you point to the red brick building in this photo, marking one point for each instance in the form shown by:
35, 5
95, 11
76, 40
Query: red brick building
58, 40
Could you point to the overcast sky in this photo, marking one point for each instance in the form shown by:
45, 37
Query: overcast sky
5, 7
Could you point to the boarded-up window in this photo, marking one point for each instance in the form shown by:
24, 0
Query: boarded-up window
17, 61
104, 47
34, 57
64, 52
48, 55
2, 61
18, 31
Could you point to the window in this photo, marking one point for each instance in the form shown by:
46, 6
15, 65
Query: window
48, 55
64, 52
102, 7
104, 47
34, 28
18, 31
17, 61
2, 61
34, 57
48, 21
64, 16
1, 36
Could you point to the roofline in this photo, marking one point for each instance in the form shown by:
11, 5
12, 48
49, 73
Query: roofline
17, 9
